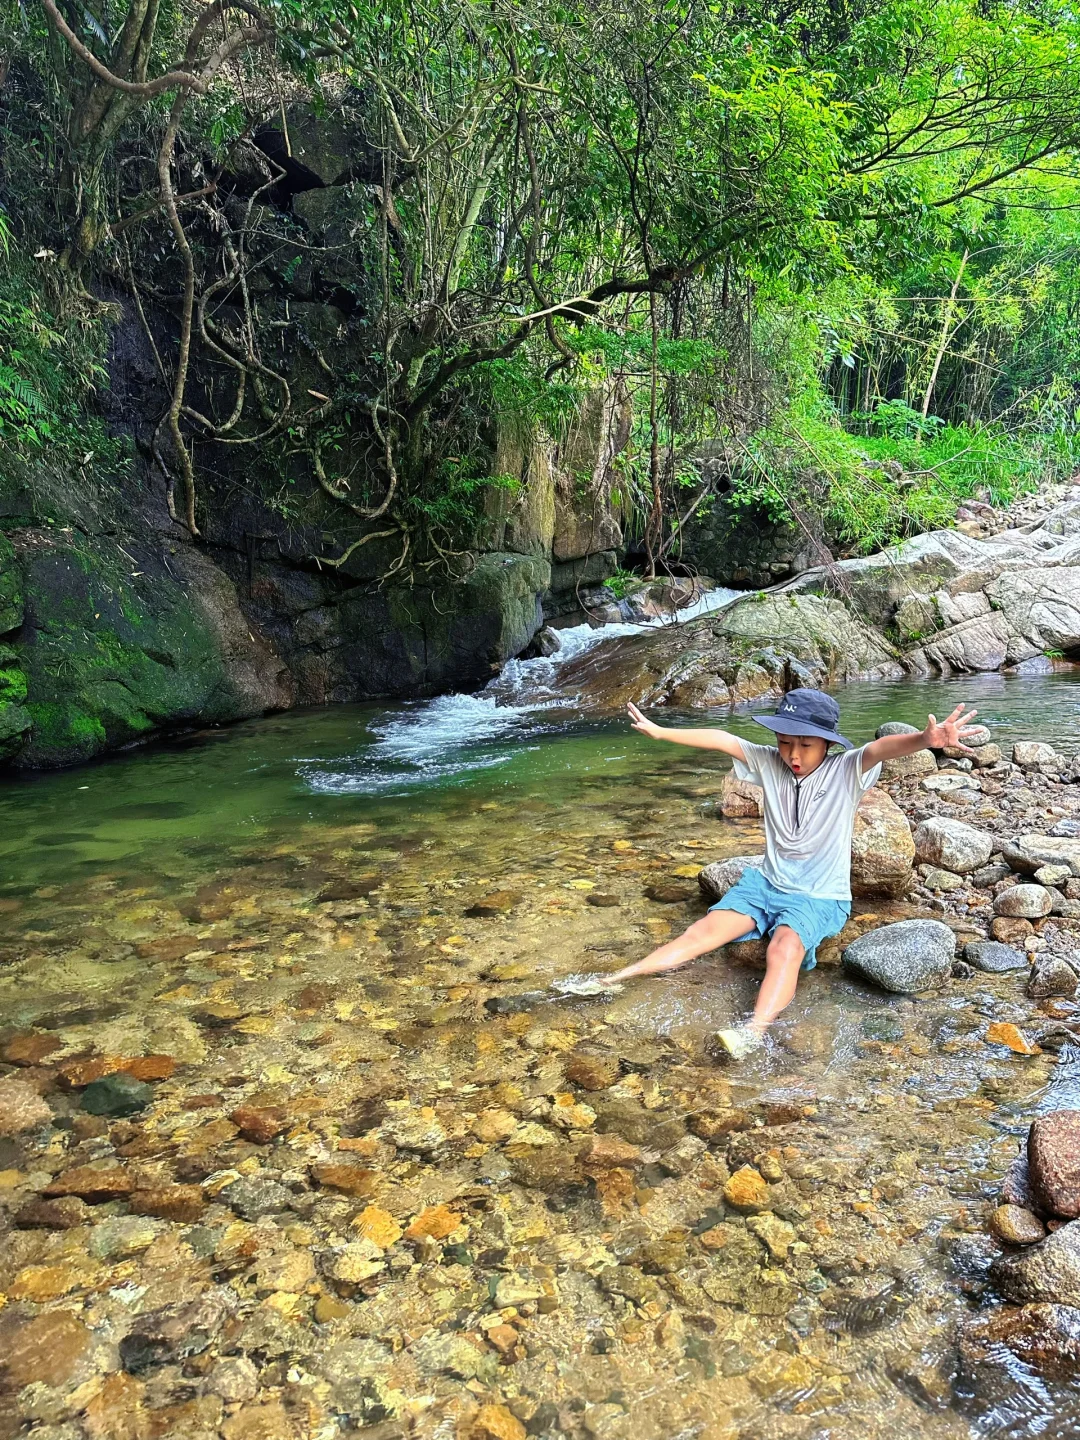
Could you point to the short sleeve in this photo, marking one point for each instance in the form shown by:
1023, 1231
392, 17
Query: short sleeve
859, 781
759, 758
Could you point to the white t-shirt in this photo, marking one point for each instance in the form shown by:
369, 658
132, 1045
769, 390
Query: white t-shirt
808, 821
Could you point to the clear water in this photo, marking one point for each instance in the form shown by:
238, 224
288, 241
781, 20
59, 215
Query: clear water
230, 837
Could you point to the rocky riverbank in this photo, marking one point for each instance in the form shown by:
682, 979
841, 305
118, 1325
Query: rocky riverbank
306, 1146
996, 594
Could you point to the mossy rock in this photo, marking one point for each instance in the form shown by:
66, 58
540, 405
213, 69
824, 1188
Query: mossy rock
120, 641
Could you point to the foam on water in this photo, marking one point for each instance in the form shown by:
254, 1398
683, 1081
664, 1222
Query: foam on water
454, 735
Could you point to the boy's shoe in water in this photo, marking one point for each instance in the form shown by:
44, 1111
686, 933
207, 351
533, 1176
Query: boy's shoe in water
736, 1044
586, 986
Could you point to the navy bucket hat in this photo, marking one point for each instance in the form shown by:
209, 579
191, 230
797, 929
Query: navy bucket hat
806, 712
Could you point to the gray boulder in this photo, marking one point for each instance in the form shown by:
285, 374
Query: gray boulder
718, 878
1024, 902
994, 958
952, 845
907, 957
1048, 1272
1031, 852
1040, 603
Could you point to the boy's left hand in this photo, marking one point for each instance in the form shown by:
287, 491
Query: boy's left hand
950, 731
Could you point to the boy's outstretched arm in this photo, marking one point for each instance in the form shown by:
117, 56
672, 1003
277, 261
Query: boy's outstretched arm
700, 739
936, 736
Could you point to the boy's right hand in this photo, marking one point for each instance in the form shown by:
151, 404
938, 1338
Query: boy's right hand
638, 721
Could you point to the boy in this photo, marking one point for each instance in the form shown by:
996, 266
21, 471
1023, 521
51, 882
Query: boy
802, 893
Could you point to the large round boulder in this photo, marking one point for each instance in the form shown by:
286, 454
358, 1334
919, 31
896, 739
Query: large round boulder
952, 845
906, 957
1023, 902
882, 849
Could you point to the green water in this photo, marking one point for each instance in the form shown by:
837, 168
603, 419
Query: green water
289, 907
186, 808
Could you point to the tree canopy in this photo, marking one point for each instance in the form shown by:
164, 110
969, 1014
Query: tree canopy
762, 219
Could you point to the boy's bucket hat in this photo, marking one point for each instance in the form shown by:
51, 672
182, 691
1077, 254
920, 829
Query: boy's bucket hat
806, 712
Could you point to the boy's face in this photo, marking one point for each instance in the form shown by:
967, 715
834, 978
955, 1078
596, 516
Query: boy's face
801, 753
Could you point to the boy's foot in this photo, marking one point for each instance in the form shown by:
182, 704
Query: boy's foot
586, 986
736, 1044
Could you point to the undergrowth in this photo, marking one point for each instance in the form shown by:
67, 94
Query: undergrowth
908, 475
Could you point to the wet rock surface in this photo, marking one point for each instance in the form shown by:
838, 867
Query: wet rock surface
904, 957
1054, 1163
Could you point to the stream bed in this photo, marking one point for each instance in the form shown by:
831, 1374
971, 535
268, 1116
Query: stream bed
413, 1196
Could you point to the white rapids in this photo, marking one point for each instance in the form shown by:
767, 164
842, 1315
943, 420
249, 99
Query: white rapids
450, 737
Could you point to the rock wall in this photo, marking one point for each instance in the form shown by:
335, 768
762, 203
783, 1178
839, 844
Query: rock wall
956, 603
115, 627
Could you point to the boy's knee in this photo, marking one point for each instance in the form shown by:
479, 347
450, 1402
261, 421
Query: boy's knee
785, 947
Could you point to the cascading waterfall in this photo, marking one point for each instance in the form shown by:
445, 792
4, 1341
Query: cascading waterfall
454, 735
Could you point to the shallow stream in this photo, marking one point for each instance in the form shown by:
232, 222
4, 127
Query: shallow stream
321, 902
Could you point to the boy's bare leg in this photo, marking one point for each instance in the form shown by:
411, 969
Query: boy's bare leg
717, 928
782, 960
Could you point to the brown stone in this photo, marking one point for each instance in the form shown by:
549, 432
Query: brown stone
667, 894
211, 1136
1044, 1336
63, 1214
168, 947
711, 1124
739, 799
149, 1067
349, 1179
33, 1048
378, 1226
47, 1348
1054, 1162
180, 1203
496, 1422
260, 1124
591, 1072
92, 1185
435, 1223
492, 1126
882, 848
117, 1412
505, 1339
77, 1074
607, 1152
747, 1191
1017, 1226
21, 1108
1011, 931
1001, 1033
500, 902
259, 1422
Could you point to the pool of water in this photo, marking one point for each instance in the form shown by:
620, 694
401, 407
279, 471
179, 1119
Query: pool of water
350, 901
181, 805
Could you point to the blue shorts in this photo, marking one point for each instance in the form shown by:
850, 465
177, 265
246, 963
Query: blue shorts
812, 920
